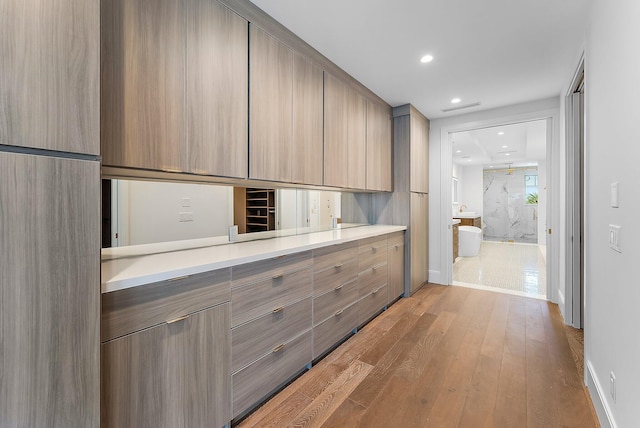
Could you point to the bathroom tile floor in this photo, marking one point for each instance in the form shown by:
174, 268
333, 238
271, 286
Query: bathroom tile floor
512, 268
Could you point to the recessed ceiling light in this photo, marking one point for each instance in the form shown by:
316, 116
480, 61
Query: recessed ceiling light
455, 100
468, 160
507, 154
458, 151
426, 58
500, 133
504, 147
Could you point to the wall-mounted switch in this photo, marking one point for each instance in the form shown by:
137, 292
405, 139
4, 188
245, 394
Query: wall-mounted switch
186, 216
614, 237
612, 386
614, 195
186, 202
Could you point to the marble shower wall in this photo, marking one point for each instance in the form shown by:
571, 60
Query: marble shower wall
506, 216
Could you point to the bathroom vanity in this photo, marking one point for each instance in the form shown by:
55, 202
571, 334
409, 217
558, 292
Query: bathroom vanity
472, 220
219, 329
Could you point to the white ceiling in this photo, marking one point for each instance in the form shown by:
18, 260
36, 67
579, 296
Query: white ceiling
520, 144
496, 52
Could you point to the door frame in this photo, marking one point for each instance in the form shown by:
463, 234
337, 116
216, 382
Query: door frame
554, 183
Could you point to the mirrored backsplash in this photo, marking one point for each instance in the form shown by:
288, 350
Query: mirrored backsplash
138, 214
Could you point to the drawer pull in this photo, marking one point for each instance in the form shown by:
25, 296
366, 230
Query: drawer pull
338, 313
339, 287
375, 291
338, 266
375, 268
179, 278
277, 310
278, 276
178, 319
374, 249
279, 348
396, 246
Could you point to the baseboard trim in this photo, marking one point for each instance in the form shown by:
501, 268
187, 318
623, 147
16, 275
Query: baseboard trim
605, 415
435, 277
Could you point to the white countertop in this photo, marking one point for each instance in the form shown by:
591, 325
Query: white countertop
127, 272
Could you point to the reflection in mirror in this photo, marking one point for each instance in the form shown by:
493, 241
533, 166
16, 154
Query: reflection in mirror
148, 212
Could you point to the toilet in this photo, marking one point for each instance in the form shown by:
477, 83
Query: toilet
469, 240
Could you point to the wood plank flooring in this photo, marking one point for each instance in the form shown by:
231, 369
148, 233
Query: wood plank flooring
445, 357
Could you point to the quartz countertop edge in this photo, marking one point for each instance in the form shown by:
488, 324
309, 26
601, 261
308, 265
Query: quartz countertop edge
456, 221
120, 274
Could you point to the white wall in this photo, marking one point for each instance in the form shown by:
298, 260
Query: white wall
472, 191
612, 315
151, 211
440, 165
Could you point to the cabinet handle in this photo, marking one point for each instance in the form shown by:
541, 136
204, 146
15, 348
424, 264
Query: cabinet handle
396, 246
280, 309
338, 266
375, 291
178, 319
338, 313
375, 268
278, 276
179, 278
279, 348
373, 249
339, 287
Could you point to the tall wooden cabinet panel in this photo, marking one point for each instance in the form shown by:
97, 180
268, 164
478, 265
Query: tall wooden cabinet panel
271, 106
50, 288
356, 139
49, 74
217, 90
379, 148
419, 229
171, 375
336, 151
419, 159
142, 84
306, 166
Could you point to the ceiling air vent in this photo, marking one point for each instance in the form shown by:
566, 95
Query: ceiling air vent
446, 110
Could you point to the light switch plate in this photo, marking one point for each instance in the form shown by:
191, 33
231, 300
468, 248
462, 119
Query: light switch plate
186, 216
614, 237
614, 195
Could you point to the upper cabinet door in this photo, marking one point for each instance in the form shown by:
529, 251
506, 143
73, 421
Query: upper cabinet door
336, 150
379, 147
142, 84
217, 90
271, 107
357, 140
306, 165
49, 74
419, 158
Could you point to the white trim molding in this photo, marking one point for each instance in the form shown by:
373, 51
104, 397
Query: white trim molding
605, 415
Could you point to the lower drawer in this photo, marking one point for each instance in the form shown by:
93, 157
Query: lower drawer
255, 382
339, 298
372, 278
372, 303
326, 334
256, 338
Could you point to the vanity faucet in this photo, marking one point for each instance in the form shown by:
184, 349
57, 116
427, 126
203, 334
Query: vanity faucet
462, 207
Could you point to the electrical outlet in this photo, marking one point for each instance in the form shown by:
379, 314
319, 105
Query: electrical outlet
233, 233
186, 216
614, 237
612, 386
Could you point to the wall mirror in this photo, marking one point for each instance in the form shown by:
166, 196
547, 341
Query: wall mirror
454, 190
140, 213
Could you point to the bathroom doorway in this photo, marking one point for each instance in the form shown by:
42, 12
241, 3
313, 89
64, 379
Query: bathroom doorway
500, 177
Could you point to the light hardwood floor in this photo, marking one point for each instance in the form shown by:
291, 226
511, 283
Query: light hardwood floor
446, 357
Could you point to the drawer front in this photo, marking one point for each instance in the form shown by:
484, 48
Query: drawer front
260, 298
326, 334
256, 381
327, 257
253, 272
372, 253
395, 271
256, 338
372, 303
133, 309
334, 276
331, 302
396, 238
372, 278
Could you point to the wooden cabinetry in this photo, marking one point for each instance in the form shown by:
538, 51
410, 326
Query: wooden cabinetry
260, 209
456, 241
475, 221
372, 277
169, 363
271, 107
344, 135
395, 265
49, 84
419, 244
217, 90
49, 283
379, 147
142, 84
271, 320
306, 162
419, 157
